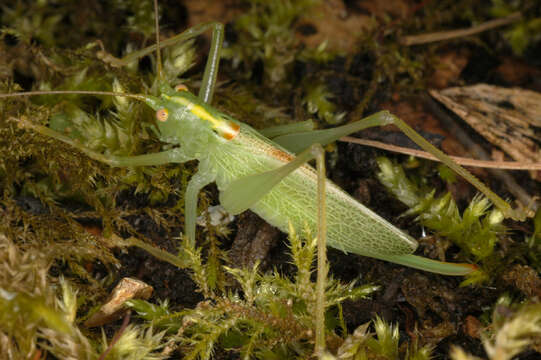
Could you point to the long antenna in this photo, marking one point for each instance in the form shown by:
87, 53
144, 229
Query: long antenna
67, 92
158, 55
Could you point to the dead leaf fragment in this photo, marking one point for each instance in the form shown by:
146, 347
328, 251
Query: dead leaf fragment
472, 327
509, 118
113, 308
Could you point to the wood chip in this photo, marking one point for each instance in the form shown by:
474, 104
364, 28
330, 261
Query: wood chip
113, 308
509, 118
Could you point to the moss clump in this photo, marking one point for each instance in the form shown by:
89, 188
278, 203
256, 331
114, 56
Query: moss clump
269, 315
477, 231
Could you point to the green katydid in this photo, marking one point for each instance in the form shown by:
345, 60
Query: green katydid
264, 175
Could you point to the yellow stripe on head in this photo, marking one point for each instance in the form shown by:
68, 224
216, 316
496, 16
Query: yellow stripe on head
227, 129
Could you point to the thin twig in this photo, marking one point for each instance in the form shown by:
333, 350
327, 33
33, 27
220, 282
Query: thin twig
506, 165
452, 34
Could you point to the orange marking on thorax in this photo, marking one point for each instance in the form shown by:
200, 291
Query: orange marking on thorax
231, 131
280, 155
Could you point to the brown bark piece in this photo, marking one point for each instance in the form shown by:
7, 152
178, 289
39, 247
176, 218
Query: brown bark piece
253, 242
507, 117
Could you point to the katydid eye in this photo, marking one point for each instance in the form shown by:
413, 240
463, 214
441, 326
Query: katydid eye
181, 87
162, 115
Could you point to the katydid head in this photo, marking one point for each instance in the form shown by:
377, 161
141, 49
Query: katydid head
181, 117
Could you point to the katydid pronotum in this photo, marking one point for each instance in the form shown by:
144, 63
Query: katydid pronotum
262, 174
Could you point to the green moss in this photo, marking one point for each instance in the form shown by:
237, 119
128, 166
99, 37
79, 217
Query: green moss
270, 314
265, 33
317, 102
523, 34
